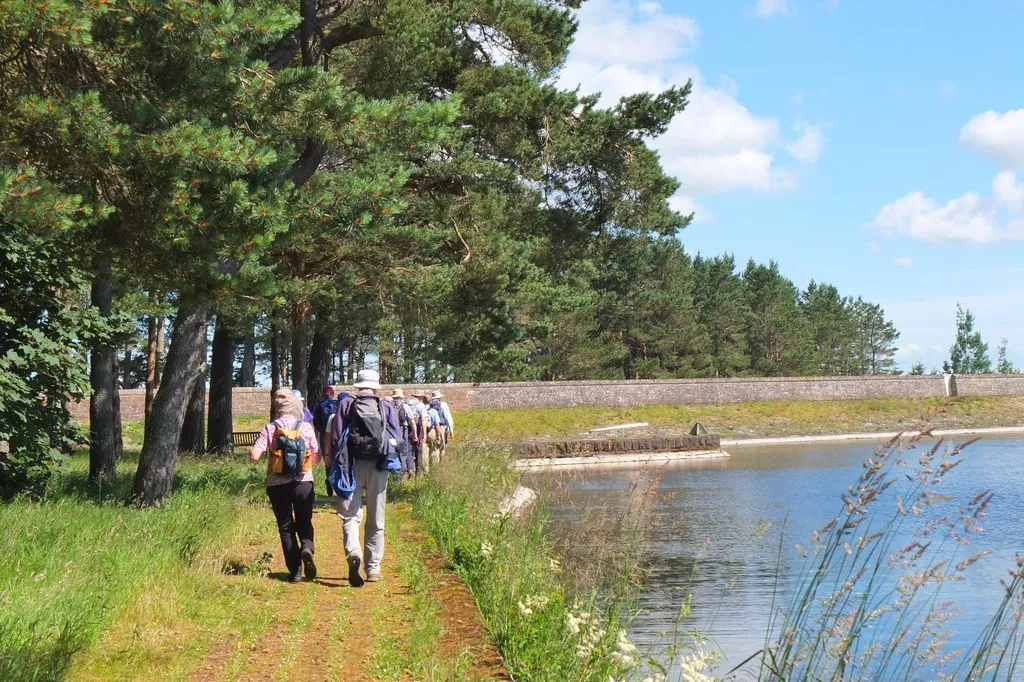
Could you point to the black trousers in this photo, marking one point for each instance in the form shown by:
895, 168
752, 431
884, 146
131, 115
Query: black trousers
293, 509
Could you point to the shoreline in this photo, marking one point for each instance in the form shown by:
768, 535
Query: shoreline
874, 435
627, 459
641, 458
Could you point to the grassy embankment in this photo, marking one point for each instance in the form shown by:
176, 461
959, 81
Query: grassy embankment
748, 420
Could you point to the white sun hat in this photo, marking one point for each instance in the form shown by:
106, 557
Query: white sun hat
367, 378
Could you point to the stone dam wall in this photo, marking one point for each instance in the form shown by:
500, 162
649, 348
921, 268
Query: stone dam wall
484, 396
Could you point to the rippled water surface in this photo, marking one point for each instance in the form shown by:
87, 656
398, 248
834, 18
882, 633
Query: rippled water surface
726, 532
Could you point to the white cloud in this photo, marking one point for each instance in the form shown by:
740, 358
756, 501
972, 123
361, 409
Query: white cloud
612, 31
687, 205
968, 219
947, 91
999, 137
903, 262
808, 147
1007, 190
770, 8
909, 349
716, 144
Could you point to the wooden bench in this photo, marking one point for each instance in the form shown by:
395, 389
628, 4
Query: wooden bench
245, 439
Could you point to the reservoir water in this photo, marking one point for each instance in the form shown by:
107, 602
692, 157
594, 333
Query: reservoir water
726, 530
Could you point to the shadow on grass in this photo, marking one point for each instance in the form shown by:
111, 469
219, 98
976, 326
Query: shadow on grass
230, 474
32, 657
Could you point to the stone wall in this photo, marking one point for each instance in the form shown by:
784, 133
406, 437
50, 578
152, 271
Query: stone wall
249, 401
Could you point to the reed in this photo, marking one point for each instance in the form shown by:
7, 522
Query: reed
867, 609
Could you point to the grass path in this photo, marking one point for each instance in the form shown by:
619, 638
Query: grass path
419, 623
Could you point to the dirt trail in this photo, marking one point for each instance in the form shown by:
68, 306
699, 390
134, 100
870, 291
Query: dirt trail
329, 630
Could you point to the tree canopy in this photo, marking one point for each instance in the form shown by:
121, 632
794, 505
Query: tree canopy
335, 184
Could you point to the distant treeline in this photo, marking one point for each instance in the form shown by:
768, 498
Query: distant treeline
650, 311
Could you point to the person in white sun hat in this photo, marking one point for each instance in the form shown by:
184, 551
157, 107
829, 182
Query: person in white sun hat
365, 437
441, 418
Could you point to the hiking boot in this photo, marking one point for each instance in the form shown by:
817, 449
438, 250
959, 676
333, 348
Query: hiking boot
374, 577
307, 564
354, 579
296, 577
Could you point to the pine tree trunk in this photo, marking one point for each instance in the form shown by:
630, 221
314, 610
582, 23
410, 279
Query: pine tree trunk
161, 349
319, 368
151, 368
155, 476
275, 363
125, 379
247, 372
154, 360
351, 370
116, 391
193, 430
219, 438
361, 353
300, 347
103, 381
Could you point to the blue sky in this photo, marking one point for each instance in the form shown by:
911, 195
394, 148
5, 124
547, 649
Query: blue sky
873, 145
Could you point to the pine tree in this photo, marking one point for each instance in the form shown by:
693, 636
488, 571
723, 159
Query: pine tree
876, 338
1003, 364
833, 329
968, 354
723, 311
777, 334
647, 308
917, 369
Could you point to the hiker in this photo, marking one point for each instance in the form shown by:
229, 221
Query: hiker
307, 416
404, 425
364, 448
293, 450
419, 426
441, 419
322, 413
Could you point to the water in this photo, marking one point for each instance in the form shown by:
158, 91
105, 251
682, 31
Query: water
727, 530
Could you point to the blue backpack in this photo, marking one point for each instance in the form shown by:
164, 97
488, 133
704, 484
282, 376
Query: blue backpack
435, 404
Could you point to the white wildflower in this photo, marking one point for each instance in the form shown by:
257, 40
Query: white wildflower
533, 603
626, 653
693, 666
486, 549
554, 565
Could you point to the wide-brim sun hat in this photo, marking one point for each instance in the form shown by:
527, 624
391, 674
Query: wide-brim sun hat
434, 395
285, 402
367, 378
398, 393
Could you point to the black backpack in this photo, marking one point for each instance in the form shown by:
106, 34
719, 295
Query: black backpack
366, 428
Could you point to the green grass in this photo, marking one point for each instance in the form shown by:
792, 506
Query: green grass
742, 420
731, 420
510, 567
79, 560
410, 645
